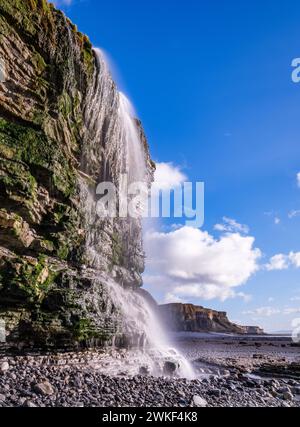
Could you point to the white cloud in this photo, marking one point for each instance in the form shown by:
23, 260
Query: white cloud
271, 311
278, 262
262, 312
190, 263
291, 310
295, 259
168, 176
277, 220
245, 297
298, 179
283, 262
231, 226
293, 214
297, 298
271, 299
171, 298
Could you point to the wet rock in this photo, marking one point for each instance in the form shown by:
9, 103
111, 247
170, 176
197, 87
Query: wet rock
283, 390
44, 388
274, 393
287, 396
144, 370
296, 390
250, 383
215, 393
274, 383
170, 368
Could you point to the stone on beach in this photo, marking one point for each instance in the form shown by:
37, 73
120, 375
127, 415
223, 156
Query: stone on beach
4, 367
40, 381
44, 388
29, 404
199, 402
170, 368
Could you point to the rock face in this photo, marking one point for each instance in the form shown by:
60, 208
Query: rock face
58, 106
191, 318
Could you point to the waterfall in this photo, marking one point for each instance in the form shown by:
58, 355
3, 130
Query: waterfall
112, 147
135, 156
111, 127
151, 348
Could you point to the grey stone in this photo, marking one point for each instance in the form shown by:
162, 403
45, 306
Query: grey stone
170, 368
29, 404
199, 402
296, 390
215, 393
4, 367
287, 396
283, 390
144, 370
44, 388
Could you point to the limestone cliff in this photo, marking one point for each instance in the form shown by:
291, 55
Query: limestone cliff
52, 156
191, 318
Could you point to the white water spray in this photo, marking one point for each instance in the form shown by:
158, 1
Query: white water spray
135, 155
149, 340
112, 128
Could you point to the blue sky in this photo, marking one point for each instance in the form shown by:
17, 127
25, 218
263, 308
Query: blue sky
211, 82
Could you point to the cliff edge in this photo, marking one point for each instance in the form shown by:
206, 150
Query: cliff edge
191, 318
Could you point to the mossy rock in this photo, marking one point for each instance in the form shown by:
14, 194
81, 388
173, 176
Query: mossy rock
45, 155
25, 281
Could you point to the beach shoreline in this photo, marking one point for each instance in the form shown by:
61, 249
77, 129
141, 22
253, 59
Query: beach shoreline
229, 373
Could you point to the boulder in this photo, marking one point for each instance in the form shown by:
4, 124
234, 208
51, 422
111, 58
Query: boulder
44, 388
199, 402
170, 368
4, 367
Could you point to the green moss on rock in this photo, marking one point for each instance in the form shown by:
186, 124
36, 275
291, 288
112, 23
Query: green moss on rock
45, 294
27, 280
34, 148
85, 330
16, 178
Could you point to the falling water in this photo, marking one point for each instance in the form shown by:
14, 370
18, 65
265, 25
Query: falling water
111, 141
147, 336
135, 156
111, 128
110, 121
